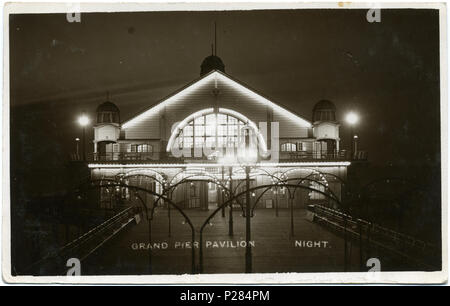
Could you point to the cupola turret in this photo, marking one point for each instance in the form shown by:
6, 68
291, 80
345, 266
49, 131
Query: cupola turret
325, 127
106, 129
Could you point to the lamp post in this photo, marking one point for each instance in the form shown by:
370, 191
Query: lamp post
228, 160
77, 141
230, 218
246, 157
248, 249
276, 200
149, 220
222, 194
83, 121
352, 118
355, 144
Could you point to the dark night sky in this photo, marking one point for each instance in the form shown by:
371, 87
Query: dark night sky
388, 71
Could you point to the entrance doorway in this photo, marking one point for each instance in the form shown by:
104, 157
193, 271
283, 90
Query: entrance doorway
212, 196
196, 195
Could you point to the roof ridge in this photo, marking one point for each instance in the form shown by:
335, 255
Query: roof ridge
162, 100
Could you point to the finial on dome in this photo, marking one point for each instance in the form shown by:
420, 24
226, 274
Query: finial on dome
212, 62
215, 38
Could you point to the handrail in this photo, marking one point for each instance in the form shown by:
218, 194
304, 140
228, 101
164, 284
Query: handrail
83, 239
385, 237
98, 227
374, 226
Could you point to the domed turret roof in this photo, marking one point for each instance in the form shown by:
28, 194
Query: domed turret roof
108, 112
324, 105
324, 110
210, 63
107, 107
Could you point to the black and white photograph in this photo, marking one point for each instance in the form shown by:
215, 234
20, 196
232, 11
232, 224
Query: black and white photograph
225, 142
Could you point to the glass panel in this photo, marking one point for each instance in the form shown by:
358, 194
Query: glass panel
288, 147
210, 141
143, 148
222, 130
199, 142
210, 130
188, 130
221, 119
232, 120
232, 141
233, 130
200, 120
187, 142
211, 119
221, 142
199, 130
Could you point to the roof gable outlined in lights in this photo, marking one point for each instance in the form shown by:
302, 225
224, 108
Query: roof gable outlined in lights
215, 75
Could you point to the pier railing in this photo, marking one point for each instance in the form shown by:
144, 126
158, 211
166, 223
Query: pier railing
425, 254
85, 245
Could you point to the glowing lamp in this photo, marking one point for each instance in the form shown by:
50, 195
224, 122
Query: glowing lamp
352, 118
83, 120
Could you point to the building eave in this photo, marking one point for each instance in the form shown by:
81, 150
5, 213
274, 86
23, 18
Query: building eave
242, 86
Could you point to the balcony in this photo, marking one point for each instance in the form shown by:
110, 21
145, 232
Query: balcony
164, 157
341, 155
126, 156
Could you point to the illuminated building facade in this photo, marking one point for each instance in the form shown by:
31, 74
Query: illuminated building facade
202, 130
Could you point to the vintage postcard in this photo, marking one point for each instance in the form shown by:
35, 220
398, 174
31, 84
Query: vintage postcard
225, 143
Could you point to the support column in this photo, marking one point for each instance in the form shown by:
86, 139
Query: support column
248, 248
150, 270
291, 205
169, 216
276, 201
230, 220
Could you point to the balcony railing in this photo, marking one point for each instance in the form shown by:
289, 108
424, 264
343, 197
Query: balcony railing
126, 156
305, 156
318, 155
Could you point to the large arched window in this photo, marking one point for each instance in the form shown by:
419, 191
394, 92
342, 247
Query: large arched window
221, 129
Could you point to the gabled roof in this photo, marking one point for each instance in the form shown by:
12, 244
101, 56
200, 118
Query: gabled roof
205, 78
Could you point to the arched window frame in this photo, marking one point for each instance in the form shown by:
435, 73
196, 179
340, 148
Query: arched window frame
237, 118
